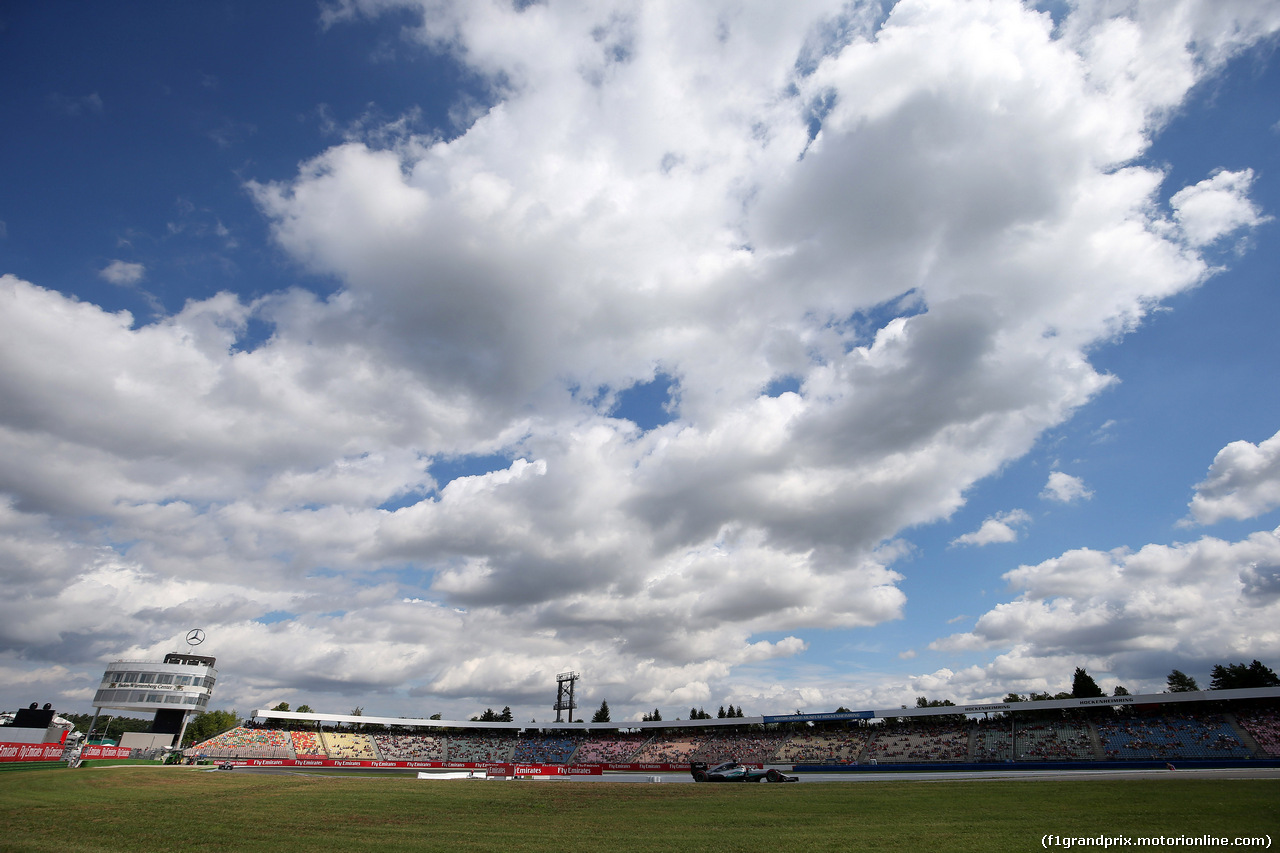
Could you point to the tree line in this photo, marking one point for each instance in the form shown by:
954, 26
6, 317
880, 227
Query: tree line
1231, 676
602, 714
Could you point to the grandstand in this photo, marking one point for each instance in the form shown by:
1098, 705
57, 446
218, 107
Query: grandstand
1206, 736
308, 745
1131, 738
481, 748
1170, 737
1263, 727
747, 747
546, 748
1208, 726
1035, 741
838, 747
410, 747
667, 749
605, 748
348, 745
929, 744
242, 742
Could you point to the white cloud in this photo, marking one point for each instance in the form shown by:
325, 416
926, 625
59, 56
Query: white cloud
123, 272
1243, 482
644, 196
1134, 615
1000, 527
1065, 488
1216, 207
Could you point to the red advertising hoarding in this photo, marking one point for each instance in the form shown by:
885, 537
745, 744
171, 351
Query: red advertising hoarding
94, 751
53, 752
30, 751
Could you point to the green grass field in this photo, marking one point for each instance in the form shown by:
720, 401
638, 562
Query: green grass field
166, 809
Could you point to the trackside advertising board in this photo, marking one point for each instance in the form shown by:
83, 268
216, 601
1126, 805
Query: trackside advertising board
30, 751
93, 751
53, 752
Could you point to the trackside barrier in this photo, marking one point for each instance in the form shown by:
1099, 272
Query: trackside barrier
15, 752
30, 751
54, 752
93, 751
515, 771
1015, 767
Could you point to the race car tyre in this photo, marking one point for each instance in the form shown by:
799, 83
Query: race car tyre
699, 775
773, 776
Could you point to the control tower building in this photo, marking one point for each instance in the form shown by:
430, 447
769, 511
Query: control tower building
171, 690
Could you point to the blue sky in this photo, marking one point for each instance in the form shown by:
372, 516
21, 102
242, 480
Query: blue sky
834, 354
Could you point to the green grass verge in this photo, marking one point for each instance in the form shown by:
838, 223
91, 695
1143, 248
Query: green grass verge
165, 809
19, 766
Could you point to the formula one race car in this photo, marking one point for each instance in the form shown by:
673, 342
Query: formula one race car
732, 771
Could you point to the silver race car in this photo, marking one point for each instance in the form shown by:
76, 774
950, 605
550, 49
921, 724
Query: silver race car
732, 771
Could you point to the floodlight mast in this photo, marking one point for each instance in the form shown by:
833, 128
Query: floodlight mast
564, 695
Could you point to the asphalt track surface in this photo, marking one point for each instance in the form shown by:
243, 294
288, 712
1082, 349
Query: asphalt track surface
857, 776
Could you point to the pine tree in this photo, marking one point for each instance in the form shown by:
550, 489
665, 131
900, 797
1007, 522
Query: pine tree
602, 715
1237, 676
1084, 687
1180, 682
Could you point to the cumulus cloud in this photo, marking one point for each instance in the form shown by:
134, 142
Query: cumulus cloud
1243, 482
1133, 614
920, 224
1216, 207
1001, 527
1065, 488
123, 272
